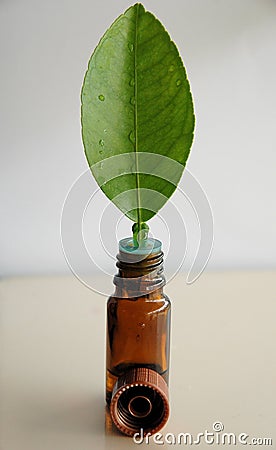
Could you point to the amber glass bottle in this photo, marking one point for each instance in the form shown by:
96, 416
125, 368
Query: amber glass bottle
138, 340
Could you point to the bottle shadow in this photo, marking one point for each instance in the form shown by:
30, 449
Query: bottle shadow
76, 415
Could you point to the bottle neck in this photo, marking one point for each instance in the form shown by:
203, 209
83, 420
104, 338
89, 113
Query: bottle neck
139, 275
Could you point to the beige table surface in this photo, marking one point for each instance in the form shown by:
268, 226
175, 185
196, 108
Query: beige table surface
52, 362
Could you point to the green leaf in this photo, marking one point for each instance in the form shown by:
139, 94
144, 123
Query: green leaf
137, 114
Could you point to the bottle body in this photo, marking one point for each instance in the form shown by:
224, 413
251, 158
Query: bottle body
138, 335
138, 342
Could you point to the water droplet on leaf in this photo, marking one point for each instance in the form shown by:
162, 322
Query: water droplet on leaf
101, 142
131, 137
171, 68
131, 47
178, 83
132, 100
132, 82
101, 97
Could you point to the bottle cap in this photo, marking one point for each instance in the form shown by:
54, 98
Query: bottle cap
140, 402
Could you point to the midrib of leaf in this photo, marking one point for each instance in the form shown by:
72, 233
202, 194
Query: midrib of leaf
139, 220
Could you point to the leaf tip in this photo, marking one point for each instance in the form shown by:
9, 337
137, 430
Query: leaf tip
137, 6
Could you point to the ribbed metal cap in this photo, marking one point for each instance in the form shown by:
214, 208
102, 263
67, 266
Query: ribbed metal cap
140, 402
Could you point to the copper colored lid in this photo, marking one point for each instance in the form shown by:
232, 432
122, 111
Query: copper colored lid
140, 401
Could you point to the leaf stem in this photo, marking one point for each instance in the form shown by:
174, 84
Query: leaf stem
140, 234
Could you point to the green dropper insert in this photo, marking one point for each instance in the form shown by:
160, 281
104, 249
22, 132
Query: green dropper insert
140, 243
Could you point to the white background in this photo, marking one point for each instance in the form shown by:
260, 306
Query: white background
228, 48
